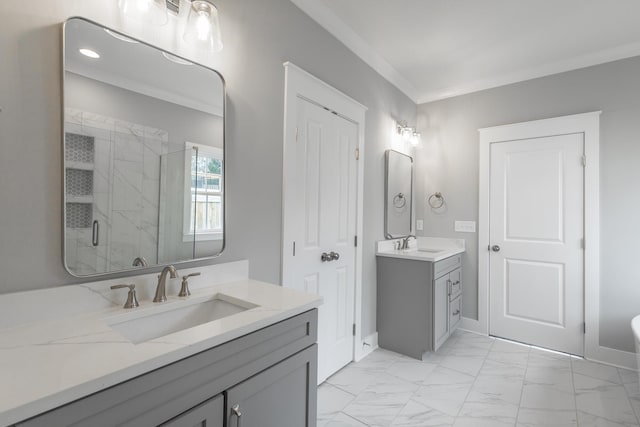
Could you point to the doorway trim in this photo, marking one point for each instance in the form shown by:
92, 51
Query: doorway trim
589, 125
301, 84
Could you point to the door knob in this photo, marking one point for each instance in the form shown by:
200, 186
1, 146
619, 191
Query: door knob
334, 256
495, 248
325, 257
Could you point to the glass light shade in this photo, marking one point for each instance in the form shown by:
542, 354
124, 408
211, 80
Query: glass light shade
415, 139
203, 28
406, 133
149, 11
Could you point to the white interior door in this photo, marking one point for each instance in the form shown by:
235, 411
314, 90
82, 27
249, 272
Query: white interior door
324, 222
536, 234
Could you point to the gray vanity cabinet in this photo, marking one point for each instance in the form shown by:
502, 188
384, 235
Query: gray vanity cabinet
270, 374
418, 304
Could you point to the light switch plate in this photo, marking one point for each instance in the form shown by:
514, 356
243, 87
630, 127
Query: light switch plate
465, 226
419, 225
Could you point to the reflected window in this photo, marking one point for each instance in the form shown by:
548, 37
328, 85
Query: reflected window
203, 192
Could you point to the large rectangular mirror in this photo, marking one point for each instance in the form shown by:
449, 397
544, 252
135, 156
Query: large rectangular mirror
143, 154
398, 194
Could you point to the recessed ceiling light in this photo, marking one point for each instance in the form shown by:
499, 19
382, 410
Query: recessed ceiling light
89, 53
176, 59
119, 36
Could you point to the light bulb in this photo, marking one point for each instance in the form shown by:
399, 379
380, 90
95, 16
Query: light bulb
203, 28
144, 6
406, 133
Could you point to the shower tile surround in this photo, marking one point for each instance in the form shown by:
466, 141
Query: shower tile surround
127, 159
474, 380
57, 345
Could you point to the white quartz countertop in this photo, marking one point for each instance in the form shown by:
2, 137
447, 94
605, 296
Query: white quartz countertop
58, 359
431, 249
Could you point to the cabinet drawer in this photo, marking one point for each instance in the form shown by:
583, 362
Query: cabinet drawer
456, 284
446, 265
454, 314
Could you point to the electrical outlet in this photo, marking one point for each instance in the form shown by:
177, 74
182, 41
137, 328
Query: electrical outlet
419, 225
465, 226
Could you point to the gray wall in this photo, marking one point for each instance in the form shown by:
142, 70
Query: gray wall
448, 162
259, 36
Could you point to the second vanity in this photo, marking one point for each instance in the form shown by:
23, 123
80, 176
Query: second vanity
419, 293
67, 359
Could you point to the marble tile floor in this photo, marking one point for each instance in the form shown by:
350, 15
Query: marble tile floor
475, 380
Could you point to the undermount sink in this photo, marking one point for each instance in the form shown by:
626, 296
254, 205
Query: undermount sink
430, 250
159, 324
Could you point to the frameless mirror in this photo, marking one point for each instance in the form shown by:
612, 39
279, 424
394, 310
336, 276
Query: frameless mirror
397, 195
143, 154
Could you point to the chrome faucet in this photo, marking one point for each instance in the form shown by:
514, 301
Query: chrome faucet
161, 294
405, 241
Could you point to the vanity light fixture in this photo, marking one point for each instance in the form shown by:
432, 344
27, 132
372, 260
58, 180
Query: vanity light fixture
408, 134
202, 28
89, 53
149, 11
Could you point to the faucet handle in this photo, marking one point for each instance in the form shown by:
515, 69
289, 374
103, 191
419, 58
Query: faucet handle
184, 289
132, 300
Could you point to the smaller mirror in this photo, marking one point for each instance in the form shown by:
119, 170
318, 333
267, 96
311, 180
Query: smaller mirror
397, 196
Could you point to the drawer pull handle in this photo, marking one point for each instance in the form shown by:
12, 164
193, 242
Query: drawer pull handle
236, 411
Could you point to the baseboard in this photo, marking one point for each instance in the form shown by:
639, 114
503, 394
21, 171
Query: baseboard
604, 355
613, 357
471, 325
368, 348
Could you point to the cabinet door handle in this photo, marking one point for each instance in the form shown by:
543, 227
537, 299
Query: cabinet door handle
236, 411
455, 313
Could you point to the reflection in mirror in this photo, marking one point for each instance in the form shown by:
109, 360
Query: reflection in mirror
398, 194
143, 152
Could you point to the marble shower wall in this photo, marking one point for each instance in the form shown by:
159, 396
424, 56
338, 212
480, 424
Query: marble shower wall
126, 187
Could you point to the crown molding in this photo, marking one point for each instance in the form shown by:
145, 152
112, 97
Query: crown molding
565, 65
336, 27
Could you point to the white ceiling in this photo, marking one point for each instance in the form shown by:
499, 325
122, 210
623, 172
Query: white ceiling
434, 49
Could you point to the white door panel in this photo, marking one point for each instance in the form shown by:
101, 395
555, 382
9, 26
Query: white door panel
536, 219
325, 221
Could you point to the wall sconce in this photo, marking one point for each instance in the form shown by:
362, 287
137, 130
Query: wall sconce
408, 134
201, 30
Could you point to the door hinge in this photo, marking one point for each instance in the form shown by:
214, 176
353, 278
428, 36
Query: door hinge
355, 241
584, 327
296, 134
582, 243
357, 153
354, 330
294, 248
584, 161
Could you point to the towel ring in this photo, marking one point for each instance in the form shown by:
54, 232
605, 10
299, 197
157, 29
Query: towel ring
399, 201
436, 200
